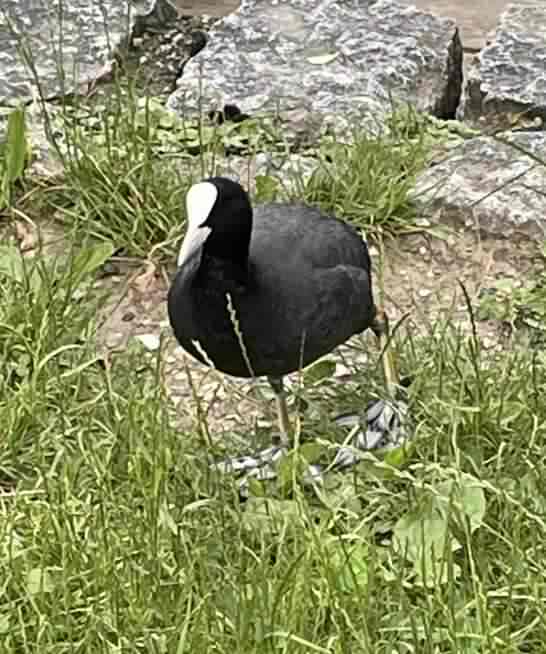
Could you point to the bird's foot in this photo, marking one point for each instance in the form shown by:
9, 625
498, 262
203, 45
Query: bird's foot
384, 426
261, 466
257, 464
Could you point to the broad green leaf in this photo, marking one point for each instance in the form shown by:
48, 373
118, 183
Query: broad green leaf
415, 534
16, 142
423, 539
296, 462
256, 488
5, 623
89, 259
311, 452
466, 495
323, 369
287, 469
398, 456
350, 562
13, 266
340, 492
11, 263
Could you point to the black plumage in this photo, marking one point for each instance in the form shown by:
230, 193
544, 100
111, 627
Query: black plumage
294, 282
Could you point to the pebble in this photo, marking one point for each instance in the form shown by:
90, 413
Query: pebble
264, 424
342, 370
178, 37
114, 340
150, 341
423, 222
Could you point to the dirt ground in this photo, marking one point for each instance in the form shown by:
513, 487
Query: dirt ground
421, 277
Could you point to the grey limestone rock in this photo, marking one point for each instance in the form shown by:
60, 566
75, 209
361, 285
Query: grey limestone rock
288, 173
509, 75
70, 43
341, 60
491, 185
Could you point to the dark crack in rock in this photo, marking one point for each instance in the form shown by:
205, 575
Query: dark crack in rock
70, 42
490, 185
157, 55
153, 16
509, 75
340, 61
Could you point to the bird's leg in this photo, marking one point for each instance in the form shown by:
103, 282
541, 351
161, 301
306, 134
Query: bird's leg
380, 328
276, 384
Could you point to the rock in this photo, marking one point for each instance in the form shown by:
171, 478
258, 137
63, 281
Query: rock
150, 341
509, 75
490, 186
89, 31
114, 340
285, 174
335, 61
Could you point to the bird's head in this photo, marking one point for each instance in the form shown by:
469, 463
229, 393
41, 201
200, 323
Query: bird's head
219, 221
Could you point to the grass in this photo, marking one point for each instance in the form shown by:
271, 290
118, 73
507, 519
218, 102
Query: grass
116, 536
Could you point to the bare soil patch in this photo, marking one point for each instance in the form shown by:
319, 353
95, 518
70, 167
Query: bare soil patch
421, 277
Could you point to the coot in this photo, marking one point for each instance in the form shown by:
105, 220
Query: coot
267, 292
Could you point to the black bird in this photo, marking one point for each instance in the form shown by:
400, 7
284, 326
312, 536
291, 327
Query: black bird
269, 291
